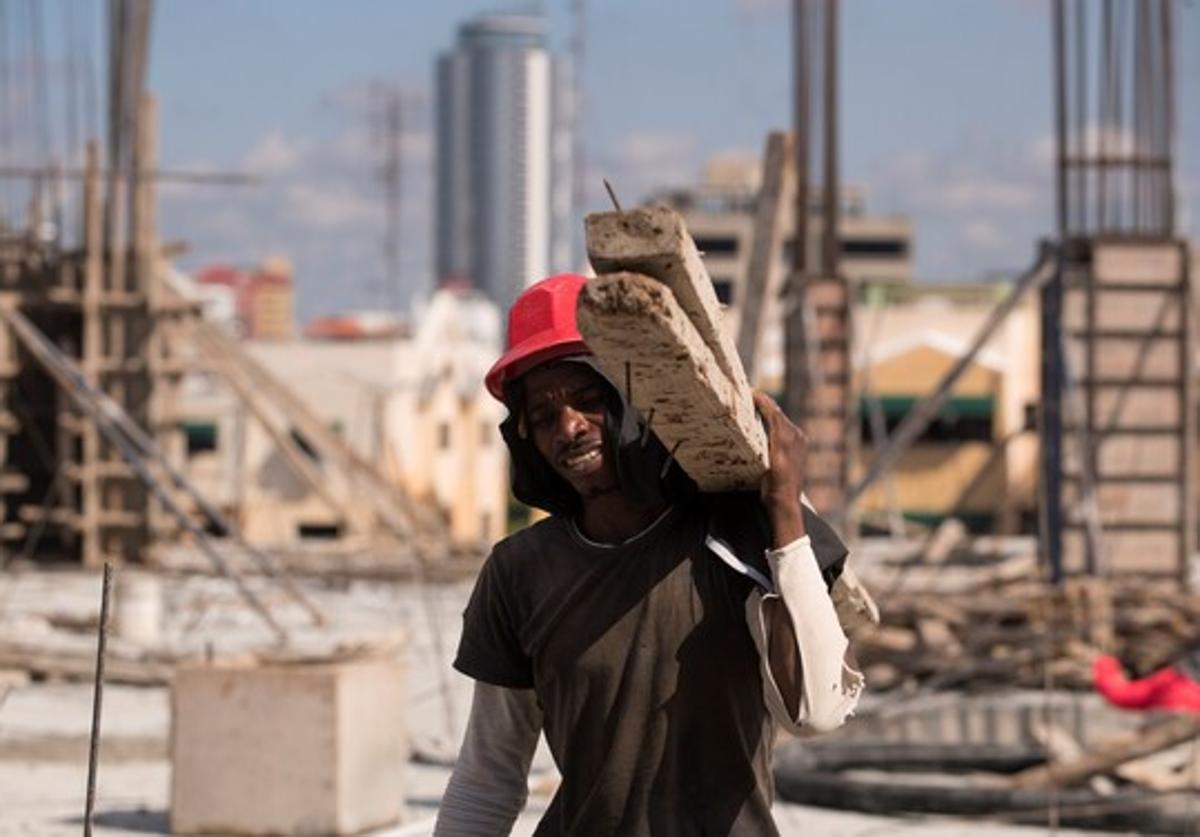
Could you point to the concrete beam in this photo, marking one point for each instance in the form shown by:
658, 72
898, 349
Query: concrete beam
653, 241
641, 334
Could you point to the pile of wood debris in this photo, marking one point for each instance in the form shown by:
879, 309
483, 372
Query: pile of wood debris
1023, 632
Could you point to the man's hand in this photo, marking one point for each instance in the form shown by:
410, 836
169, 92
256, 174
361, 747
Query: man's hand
784, 480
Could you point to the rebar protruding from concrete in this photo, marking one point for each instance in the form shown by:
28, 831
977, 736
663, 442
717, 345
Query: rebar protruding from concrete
97, 699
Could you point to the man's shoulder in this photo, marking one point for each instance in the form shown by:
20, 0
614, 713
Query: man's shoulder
532, 540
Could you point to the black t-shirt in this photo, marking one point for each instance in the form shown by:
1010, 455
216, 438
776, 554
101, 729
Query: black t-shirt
645, 671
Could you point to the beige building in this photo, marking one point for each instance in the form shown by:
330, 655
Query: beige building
978, 460
974, 461
415, 406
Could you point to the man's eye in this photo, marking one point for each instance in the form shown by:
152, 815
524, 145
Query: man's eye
539, 419
591, 401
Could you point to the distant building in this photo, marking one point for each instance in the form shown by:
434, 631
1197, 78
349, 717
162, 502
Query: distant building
357, 325
258, 304
502, 190
412, 404
977, 460
719, 213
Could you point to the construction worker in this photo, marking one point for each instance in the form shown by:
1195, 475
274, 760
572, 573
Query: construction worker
658, 636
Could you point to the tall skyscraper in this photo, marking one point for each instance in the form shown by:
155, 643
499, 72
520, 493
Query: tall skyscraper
499, 219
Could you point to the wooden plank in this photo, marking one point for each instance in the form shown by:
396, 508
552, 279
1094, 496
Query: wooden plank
766, 241
1110, 753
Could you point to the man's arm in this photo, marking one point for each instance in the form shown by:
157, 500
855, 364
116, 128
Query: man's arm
806, 679
490, 783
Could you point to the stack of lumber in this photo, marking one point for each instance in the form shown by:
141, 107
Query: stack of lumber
1015, 633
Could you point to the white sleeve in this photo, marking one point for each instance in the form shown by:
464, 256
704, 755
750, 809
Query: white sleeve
831, 688
490, 784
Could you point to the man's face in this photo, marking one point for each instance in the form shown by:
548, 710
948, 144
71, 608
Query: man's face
564, 415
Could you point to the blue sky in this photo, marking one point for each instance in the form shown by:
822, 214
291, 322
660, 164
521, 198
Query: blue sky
946, 117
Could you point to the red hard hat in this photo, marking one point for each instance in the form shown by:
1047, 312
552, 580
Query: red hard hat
541, 327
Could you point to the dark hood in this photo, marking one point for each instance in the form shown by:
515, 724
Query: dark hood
645, 471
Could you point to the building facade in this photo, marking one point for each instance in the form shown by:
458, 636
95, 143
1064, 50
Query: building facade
977, 460
258, 304
502, 190
411, 404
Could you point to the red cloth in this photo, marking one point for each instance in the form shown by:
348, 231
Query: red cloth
1167, 688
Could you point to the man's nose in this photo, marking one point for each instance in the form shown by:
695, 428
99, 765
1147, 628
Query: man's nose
571, 422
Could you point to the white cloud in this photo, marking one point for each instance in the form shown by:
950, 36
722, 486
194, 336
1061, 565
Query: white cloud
320, 202
984, 234
978, 205
273, 154
753, 7
326, 207
641, 163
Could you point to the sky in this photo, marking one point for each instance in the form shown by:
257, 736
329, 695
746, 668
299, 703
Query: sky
946, 118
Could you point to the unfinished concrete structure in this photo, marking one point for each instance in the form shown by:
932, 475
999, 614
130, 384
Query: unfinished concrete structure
66, 490
93, 351
819, 303
1118, 335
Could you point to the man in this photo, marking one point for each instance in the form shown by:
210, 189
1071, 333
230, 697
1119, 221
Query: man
657, 635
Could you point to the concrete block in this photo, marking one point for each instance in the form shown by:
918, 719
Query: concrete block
634, 322
287, 748
1137, 262
654, 241
1129, 456
1140, 310
1136, 553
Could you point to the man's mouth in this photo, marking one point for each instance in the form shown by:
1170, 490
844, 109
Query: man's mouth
581, 458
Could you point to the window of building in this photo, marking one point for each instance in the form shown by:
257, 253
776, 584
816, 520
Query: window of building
319, 531
199, 436
717, 245
724, 288
860, 248
443, 435
962, 419
884, 248
305, 445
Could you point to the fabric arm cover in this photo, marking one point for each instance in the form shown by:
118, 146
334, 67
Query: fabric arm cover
831, 688
490, 783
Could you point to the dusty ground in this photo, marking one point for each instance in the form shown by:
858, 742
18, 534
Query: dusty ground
44, 726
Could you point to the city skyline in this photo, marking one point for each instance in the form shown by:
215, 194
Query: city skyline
946, 118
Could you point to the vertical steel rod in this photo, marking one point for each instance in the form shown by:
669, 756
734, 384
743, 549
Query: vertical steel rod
1168, 92
1060, 114
97, 699
795, 347
829, 144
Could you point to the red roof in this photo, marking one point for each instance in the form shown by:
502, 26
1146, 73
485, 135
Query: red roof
220, 275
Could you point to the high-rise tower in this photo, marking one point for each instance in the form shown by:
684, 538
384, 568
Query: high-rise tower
497, 157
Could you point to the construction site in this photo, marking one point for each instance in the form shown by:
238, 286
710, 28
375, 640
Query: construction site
234, 562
